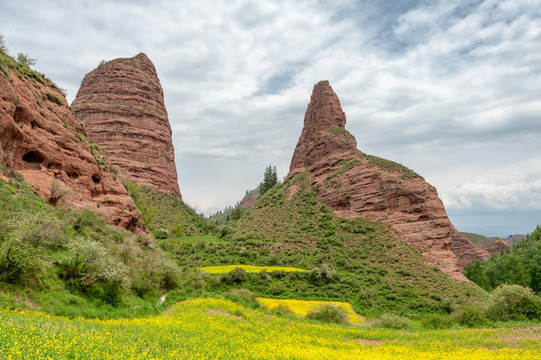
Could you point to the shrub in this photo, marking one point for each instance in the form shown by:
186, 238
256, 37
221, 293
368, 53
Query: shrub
514, 302
277, 288
324, 273
237, 275
437, 321
329, 313
16, 257
243, 296
39, 229
165, 273
54, 98
392, 321
470, 315
282, 309
161, 234
88, 263
141, 285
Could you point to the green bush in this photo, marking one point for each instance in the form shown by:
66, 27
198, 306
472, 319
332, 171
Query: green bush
165, 273
514, 302
39, 229
54, 98
437, 321
242, 296
329, 313
277, 288
141, 285
16, 257
325, 273
392, 321
470, 315
282, 309
237, 275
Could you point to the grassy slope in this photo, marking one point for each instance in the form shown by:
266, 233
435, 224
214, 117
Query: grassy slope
165, 211
479, 240
357, 261
218, 329
40, 245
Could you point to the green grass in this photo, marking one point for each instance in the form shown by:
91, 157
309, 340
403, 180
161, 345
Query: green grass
479, 240
166, 212
248, 268
392, 166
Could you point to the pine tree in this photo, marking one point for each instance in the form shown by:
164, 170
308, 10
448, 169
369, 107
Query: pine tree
270, 178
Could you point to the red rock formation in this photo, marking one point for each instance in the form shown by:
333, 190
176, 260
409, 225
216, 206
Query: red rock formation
41, 138
249, 200
121, 105
355, 184
497, 246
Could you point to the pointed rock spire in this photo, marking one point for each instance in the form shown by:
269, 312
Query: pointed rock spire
121, 104
324, 129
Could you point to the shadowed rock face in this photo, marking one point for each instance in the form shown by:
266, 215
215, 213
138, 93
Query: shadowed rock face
41, 138
358, 185
121, 104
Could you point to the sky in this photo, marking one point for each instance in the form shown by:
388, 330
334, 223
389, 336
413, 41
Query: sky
451, 89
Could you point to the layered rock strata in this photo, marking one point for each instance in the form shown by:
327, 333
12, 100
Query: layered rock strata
355, 184
41, 138
121, 104
497, 246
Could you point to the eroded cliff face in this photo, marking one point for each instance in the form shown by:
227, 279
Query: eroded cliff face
497, 246
41, 138
355, 184
121, 104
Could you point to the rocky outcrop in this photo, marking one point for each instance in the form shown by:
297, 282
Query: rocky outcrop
41, 138
249, 200
497, 246
355, 184
121, 104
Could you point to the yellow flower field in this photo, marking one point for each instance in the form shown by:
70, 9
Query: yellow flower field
220, 329
248, 268
302, 307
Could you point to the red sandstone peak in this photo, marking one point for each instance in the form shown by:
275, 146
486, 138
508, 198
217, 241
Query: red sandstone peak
121, 104
324, 129
358, 185
41, 138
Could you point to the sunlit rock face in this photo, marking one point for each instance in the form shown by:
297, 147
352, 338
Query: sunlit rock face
121, 104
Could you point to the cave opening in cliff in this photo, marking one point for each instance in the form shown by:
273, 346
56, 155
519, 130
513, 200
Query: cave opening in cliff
96, 179
33, 157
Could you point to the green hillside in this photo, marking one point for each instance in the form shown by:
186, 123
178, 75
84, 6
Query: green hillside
71, 262
478, 240
353, 260
164, 213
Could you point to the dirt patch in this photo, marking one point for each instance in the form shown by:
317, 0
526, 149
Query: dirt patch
292, 191
214, 312
368, 342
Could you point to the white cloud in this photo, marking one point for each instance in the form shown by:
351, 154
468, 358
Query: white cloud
450, 89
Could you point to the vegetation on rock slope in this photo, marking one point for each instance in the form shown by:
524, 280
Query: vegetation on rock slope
353, 260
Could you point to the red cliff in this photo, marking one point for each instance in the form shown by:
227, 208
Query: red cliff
355, 184
41, 138
121, 104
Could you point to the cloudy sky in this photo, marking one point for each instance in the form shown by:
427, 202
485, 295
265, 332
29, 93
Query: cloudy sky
451, 89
